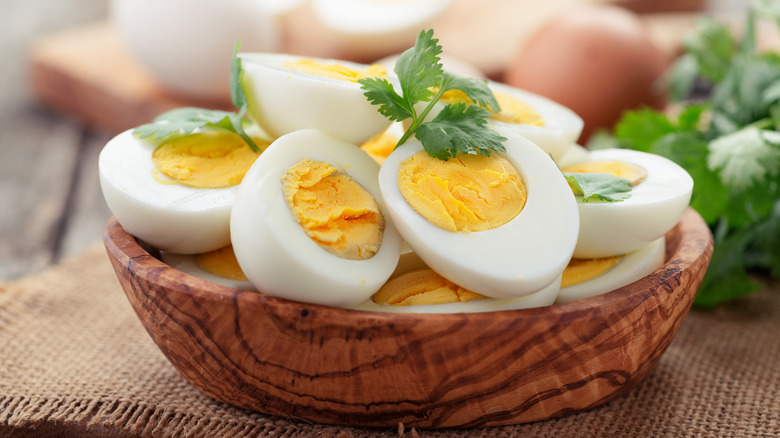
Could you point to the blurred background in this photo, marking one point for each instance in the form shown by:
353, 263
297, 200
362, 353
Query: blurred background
76, 72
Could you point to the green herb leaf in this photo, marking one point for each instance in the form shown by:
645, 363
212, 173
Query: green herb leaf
641, 128
713, 46
184, 121
727, 276
745, 158
459, 128
419, 70
475, 89
598, 186
380, 91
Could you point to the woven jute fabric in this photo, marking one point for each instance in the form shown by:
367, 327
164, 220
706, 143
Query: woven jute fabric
75, 361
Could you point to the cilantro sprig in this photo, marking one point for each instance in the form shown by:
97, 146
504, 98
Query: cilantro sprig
183, 121
726, 134
457, 128
594, 186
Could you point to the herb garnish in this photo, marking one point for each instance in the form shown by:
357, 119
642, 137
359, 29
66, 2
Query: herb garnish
594, 186
183, 121
729, 142
458, 128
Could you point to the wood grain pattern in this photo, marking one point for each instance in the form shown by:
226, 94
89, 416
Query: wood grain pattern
341, 366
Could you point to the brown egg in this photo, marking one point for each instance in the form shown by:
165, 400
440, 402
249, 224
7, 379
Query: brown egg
597, 60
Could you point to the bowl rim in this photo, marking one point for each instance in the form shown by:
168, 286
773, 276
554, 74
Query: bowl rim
687, 242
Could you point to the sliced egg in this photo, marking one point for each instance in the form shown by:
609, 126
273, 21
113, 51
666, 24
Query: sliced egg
289, 222
181, 205
519, 257
629, 269
548, 124
654, 207
573, 154
287, 93
382, 145
202, 266
544, 297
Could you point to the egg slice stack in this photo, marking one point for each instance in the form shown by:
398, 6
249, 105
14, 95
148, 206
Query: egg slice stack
316, 219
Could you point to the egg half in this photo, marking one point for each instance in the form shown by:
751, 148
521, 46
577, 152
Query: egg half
520, 257
286, 93
630, 268
654, 207
210, 266
548, 124
544, 297
170, 214
271, 245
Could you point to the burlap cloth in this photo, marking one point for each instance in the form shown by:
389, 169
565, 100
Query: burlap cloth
75, 361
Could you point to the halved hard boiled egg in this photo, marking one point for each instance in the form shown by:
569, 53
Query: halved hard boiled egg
309, 224
660, 193
423, 288
218, 266
503, 226
286, 93
627, 269
548, 124
175, 194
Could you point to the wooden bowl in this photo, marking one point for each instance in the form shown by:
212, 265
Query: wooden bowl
339, 366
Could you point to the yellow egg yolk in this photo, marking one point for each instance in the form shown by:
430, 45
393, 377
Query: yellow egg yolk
422, 286
334, 210
209, 159
335, 70
465, 193
222, 263
582, 270
512, 110
620, 169
380, 146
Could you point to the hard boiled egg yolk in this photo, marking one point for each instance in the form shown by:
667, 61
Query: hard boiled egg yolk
209, 159
221, 262
423, 286
335, 70
620, 169
512, 110
466, 193
334, 210
582, 270
380, 146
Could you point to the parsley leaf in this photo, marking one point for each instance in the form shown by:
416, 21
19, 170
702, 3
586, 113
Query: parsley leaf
598, 186
745, 158
183, 121
458, 128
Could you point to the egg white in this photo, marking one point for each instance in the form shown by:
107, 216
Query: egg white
562, 126
272, 248
282, 100
654, 207
544, 297
518, 258
189, 265
167, 215
629, 269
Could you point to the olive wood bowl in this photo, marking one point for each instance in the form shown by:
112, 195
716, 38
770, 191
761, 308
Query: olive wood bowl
338, 366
